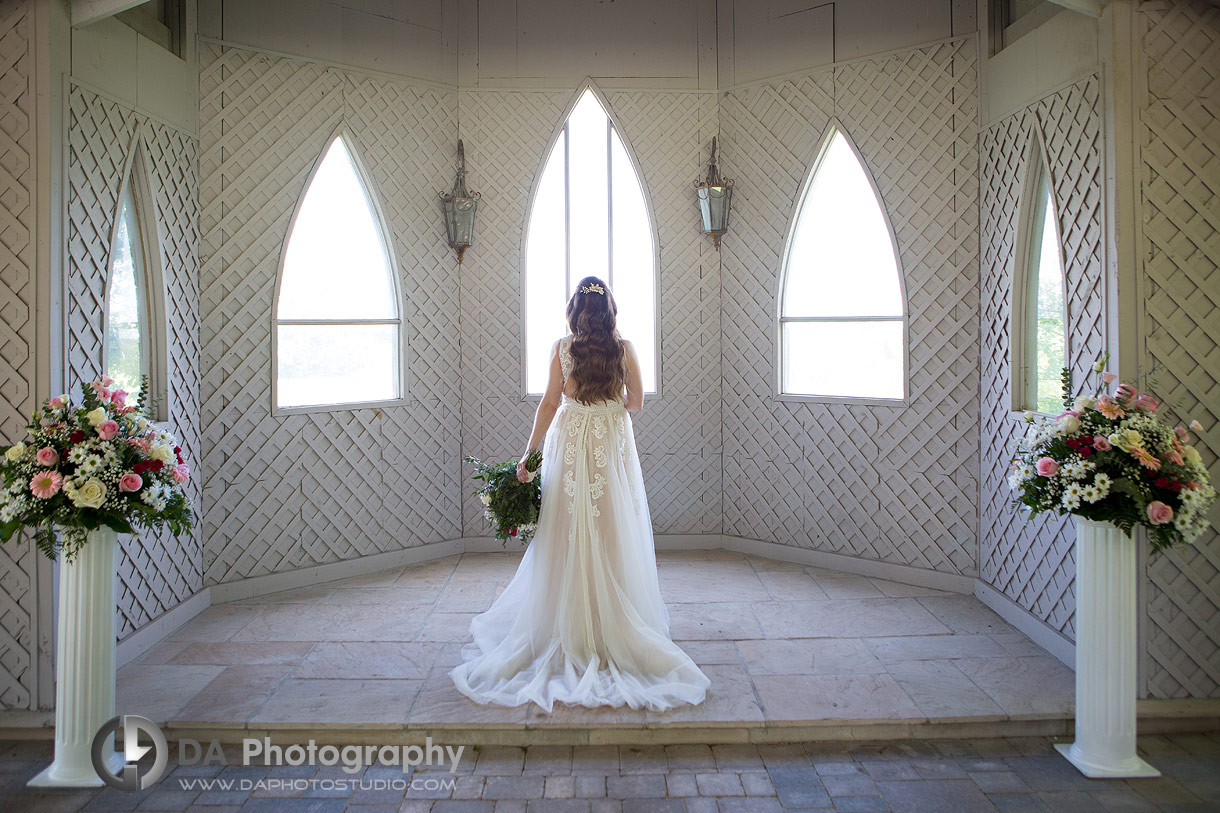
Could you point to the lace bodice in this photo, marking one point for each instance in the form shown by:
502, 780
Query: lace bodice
565, 357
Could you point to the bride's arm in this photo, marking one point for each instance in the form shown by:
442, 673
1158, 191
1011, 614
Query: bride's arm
635, 381
546, 410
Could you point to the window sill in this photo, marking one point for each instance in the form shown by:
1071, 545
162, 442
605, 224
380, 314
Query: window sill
897, 403
284, 412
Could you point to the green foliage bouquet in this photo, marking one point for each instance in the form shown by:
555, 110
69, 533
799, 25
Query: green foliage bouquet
510, 506
101, 463
1110, 457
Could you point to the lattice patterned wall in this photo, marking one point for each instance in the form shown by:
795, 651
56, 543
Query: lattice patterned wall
887, 483
507, 134
1180, 197
18, 559
155, 572
290, 492
1033, 562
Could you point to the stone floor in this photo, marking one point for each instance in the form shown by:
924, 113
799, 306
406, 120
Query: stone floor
782, 644
940, 776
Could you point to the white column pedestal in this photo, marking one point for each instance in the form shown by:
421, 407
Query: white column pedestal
1105, 654
84, 663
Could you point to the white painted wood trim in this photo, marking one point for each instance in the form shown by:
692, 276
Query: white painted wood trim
1033, 628
155, 631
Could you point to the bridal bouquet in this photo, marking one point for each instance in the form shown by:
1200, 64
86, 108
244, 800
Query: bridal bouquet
1109, 457
510, 506
99, 463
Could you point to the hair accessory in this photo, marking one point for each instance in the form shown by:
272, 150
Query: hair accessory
593, 288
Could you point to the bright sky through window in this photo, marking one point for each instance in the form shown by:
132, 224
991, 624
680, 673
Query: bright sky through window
588, 217
128, 338
1045, 329
337, 317
841, 315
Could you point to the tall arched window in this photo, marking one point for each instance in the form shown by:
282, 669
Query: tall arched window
1039, 330
588, 217
842, 315
338, 318
135, 297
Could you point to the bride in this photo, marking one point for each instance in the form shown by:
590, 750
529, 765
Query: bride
582, 621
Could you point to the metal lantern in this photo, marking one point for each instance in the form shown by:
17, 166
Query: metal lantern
459, 206
715, 193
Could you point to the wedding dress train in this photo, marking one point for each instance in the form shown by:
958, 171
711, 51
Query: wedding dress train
582, 621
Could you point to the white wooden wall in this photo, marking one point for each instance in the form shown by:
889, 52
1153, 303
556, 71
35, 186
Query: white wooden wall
1032, 562
897, 484
1180, 249
155, 572
298, 490
19, 645
507, 134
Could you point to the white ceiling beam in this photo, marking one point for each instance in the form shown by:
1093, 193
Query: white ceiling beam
1091, 8
85, 12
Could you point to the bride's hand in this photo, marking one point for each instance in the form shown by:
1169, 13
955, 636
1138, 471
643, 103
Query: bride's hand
522, 475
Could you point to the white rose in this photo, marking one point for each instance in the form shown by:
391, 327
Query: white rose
1083, 402
1191, 455
163, 453
97, 416
1069, 423
486, 498
90, 495
15, 452
143, 424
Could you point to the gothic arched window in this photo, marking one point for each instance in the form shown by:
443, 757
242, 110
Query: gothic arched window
338, 316
842, 315
1039, 312
589, 217
135, 347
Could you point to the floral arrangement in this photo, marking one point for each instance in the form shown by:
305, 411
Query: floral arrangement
510, 506
99, 463
1110, 457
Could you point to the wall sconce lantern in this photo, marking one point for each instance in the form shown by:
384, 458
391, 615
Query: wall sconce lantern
714, 194
459, 206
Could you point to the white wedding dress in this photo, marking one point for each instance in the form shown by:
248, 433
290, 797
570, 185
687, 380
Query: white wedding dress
582, 621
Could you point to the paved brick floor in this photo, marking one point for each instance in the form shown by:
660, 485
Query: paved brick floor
943, 775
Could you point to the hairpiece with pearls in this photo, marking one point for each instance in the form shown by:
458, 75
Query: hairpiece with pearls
593, 288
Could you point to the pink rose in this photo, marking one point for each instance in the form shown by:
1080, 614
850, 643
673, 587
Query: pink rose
181, 473
1102, 444
1109, 378
47, 456
107, 430
1159, 513
1047, 467
130, 482
57, 403
118, 397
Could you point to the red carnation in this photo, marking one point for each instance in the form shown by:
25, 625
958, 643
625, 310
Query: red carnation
156, 465
1162, 482
1085, 451
76, 437
513, 532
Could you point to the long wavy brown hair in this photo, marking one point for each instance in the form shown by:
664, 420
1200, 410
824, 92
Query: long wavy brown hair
599, 367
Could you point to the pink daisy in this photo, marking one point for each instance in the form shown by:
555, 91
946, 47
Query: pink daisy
45, 484
1146, 460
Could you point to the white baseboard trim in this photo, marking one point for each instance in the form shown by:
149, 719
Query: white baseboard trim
156, 630
275, 582
906, 574
1033, 628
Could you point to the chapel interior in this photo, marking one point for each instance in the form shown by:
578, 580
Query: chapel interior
257, 185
